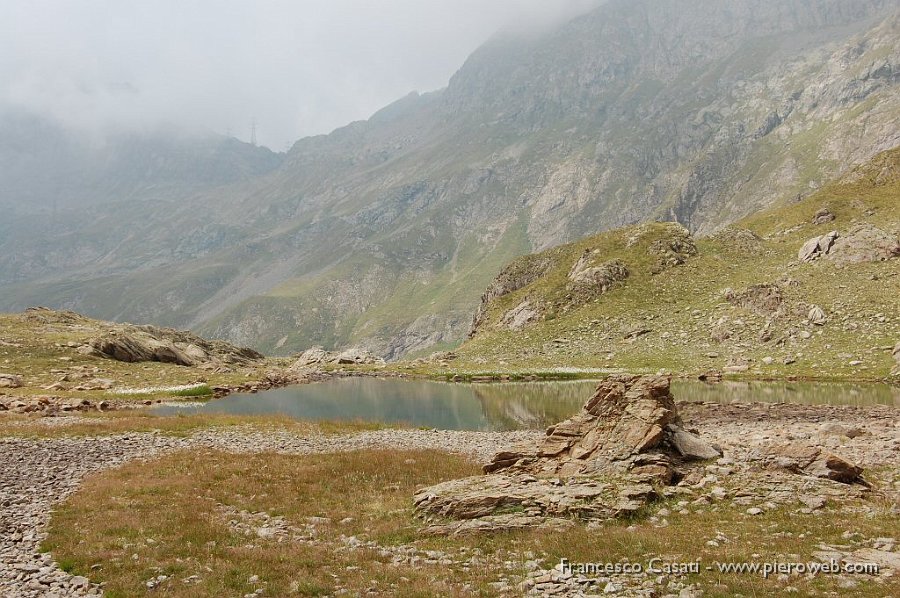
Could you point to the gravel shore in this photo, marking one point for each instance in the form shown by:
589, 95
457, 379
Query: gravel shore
35, 474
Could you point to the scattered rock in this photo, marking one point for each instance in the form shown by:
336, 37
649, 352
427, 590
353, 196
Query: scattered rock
10, 381
765, 299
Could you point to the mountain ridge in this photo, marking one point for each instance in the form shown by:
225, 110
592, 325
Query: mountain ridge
385, 232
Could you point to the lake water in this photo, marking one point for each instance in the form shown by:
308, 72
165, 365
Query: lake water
500, 406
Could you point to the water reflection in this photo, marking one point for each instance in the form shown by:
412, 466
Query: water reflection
505, 406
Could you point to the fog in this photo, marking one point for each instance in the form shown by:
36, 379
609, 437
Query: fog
295, 68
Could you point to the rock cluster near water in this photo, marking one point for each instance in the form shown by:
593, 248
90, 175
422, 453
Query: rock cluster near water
605, 462
611, 459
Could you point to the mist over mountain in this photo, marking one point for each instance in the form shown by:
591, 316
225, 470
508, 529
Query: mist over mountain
385, 232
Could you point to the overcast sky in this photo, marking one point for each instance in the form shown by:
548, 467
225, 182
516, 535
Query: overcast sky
298, 67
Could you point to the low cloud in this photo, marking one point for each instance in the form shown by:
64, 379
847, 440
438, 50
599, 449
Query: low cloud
296, 68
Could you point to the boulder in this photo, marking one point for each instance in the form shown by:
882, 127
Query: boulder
864, 243
148, 343
312, 356
355, 355
605, 462
823, 216
691, 446
814, 461
817, 247
10, 381
816, 316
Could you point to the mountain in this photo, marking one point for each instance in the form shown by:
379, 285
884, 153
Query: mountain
385, 232
756, 295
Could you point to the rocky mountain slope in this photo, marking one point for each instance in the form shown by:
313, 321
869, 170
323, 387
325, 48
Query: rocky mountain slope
809, 289
384, 233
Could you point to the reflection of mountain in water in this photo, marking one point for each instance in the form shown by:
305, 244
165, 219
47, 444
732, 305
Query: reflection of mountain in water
531, 404
502, 406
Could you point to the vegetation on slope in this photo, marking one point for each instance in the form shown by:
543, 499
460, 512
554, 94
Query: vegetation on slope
740, 303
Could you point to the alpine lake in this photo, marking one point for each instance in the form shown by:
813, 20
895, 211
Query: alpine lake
500, 405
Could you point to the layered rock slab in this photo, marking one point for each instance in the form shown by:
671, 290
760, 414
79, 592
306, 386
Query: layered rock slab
607, 461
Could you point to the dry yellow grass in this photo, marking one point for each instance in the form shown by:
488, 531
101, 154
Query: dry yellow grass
170, 517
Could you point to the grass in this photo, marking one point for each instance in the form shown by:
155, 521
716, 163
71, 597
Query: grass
175, 516
683, 309
46, 355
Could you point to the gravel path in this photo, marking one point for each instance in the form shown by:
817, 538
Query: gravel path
37, 474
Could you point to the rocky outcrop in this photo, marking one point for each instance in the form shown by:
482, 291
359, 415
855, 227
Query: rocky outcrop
585, 276
606, 461
148, 343
864, 243
513, 277
520, 316
316, 356
817, 247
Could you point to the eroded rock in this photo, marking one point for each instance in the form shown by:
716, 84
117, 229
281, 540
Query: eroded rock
149, 343
602, 463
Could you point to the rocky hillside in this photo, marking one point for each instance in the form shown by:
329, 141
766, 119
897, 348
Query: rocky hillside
384, 233
809, 289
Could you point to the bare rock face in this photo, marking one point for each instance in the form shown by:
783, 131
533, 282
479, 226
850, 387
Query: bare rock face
604, 462
149, 343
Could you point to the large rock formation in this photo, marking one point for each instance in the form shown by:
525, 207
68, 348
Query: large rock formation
148, 343
606, 461
862, 243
